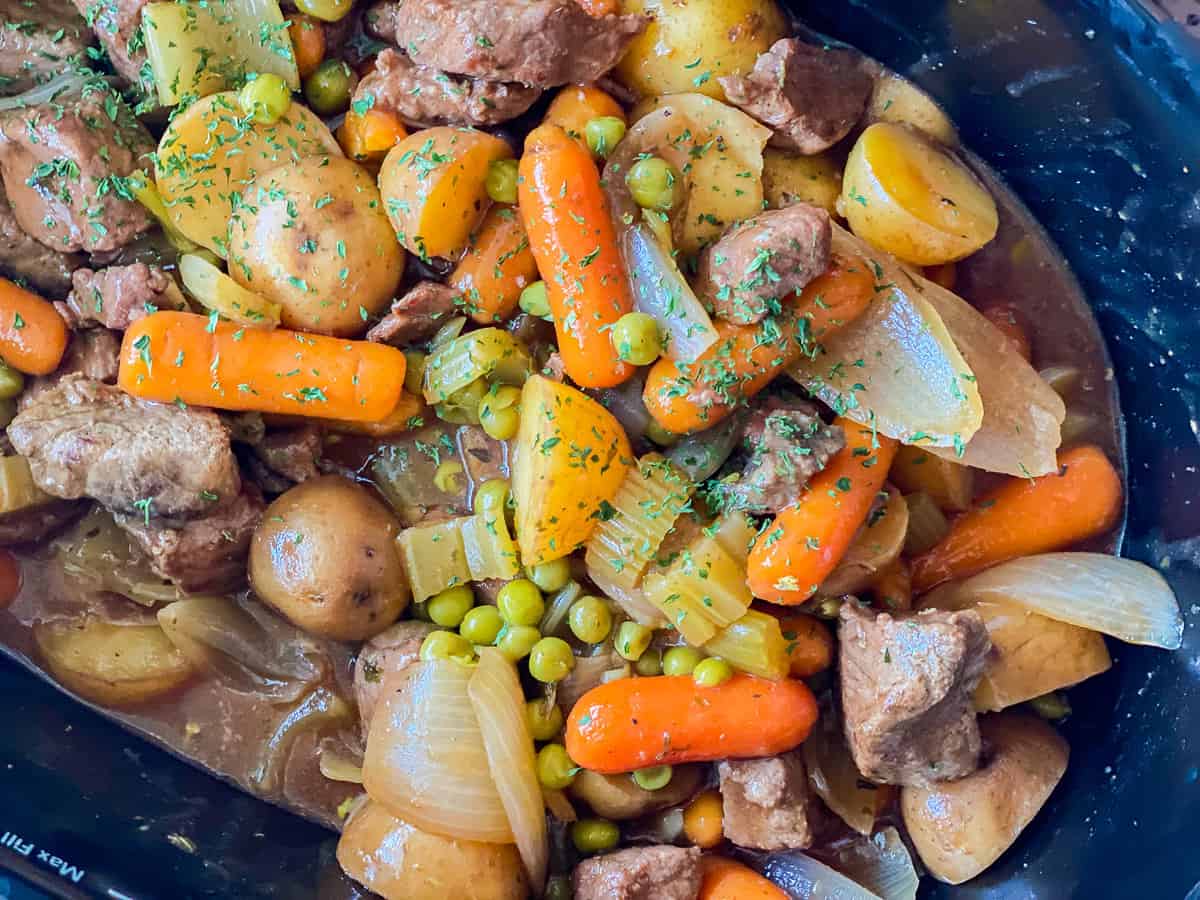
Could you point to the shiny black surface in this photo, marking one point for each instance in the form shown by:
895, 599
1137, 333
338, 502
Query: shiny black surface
1091, 112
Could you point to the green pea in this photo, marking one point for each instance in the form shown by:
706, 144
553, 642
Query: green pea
516, 641
550, 576
481, 625
632, 640
555, 769
450, 606
603, 133
660, 435
551, 660
654, 778
654, 183
12, 382
594, 835
681, 660
501, 181
328, 89
446, 645
1052, 706
326, 10
636, 339
491, 497
448, 477
558, 888
534, 300
590, 619
712, 672
414, 371
498, 413
266, 98
520, 602
649, 663
545, 719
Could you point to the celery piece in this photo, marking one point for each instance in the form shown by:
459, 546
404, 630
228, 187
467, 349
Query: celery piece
735, 533
703, 590
754, 643
17, 490
490, 353
490, 549
434, 558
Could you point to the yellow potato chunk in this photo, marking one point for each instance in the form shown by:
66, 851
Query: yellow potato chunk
434, 186
898, 100
913, 199
789, 178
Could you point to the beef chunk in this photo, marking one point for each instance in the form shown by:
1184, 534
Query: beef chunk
762, 260
87, 439
788, 446
392, 650
543, 43
907, 681
416, 316
422, 96
35, 523
117, 296
38, 40
64, 163
205, 554
291, 453
95, 354
640, 873
811, 96
48, 271
767, 802
118, 25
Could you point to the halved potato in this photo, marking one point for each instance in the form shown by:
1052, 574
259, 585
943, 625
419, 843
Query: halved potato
898, 100
910, 197
212, 150
434, 187
113, 665
790, 178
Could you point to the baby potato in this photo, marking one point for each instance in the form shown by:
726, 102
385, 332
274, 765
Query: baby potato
112, 665
898, 100
399, 861
913, 199
211, 150
961, 827
789, 178
688, 46
325, 557
313, 238
434, 186
617, 797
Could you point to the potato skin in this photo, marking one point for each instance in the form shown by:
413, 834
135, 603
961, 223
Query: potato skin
688, 46
399, 861
325, 557
789, 178
617, 797
313, 237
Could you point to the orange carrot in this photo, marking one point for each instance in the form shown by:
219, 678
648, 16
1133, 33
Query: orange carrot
1011, 324
724, 879
809, 644
632, 723
182, 357
704, 820
33, 336
892, 587
791, 558
308, 43
497, 266
745, 358
577, 104
572, 238
371, 135
410, 414
10, 578
1039, 515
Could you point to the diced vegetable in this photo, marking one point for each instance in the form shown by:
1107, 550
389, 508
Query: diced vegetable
17, 489
577, 104
809, 644
724, 879
368, 136
434, 558
896, 99
216, 291
496, 267
754, 644
490, 550
569, 461
789, 178
876, 546
703, 590
949, 484
486, 353
33, 336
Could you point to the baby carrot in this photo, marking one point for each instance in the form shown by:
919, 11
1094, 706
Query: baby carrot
796, 552
1024, 516
809, 644
572, 238
497, 266
308, 42
632, 723
33, 336
178, 357
577, 104
371, 135
724, 879
745, 358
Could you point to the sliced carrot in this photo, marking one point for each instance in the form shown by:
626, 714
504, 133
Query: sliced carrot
497, 266
308, 43
577, 104
572, 238
724, 879
371, 134
1028, 515
10, 578
892, 587
797, 551
809, 644
632, 723
1010, 322
745, 358
181, 357
33, 336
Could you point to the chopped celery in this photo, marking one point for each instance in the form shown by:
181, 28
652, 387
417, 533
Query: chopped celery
17, 490
490, 353
735, 533
754, 643
703, 590
490, 549
434, 558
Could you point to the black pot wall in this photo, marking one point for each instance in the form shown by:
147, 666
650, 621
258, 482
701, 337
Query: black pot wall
1092, 112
